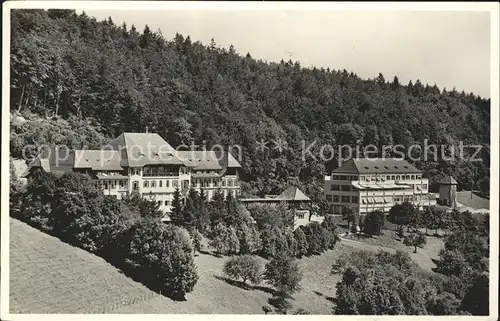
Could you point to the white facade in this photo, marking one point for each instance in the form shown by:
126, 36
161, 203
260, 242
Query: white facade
161, 186
364, 193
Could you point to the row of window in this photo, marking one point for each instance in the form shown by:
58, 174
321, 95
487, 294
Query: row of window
368, 200
235, 193
160, 171
342, 199
216, 182
152, 184
369, 178
343, 188
377, 177
349, 188
344, 178
112, 184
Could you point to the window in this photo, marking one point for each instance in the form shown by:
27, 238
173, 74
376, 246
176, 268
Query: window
334, 187
122, 184
167, 183
223, 183
166, 203
336, 198
146, 184
160, 183
136, 186
106, 185
345, 199
146, 170
300, 214
346, 188
229, 182
424, 186
355, 199
159, 203
398, 177
335, 177
412, 177
175, 183
113, 185
419, 176
153, 184
328, 197
392, 177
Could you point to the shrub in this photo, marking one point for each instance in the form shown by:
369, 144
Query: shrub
161, 256
444, 303
283, 273
142, 205
196, 238
243, 267
476, 300
77, 213
249, 238
302, 246
224, 239
266, 309
329, 223
373, 223
273, 241
452, 263
291, 243
35, 203
415, 240
316, 238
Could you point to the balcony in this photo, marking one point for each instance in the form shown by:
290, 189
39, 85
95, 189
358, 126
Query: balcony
164, 174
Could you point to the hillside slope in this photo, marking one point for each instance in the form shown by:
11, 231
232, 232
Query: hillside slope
49, 276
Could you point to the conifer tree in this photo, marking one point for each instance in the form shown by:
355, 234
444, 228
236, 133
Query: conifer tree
176, 212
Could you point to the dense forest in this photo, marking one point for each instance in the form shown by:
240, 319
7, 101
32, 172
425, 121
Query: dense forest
95, 79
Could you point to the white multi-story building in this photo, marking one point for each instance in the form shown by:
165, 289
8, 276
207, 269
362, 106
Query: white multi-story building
147, 164
365, 185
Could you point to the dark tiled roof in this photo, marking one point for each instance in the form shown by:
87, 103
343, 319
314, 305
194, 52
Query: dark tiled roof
139, 149
293, 194
54, 160
98, 160
448, 180
376, 166
200, 160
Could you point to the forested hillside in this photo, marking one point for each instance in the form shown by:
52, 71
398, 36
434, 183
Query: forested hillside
115, 78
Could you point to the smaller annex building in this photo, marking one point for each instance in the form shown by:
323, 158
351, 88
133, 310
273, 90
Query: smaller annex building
293, 197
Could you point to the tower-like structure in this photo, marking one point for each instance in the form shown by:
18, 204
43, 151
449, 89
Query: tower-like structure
448, 191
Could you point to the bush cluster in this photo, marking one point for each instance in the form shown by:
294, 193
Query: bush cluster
128, 234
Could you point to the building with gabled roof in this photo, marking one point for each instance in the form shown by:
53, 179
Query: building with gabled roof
293, 194
294, 199
147, 164
364, 185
